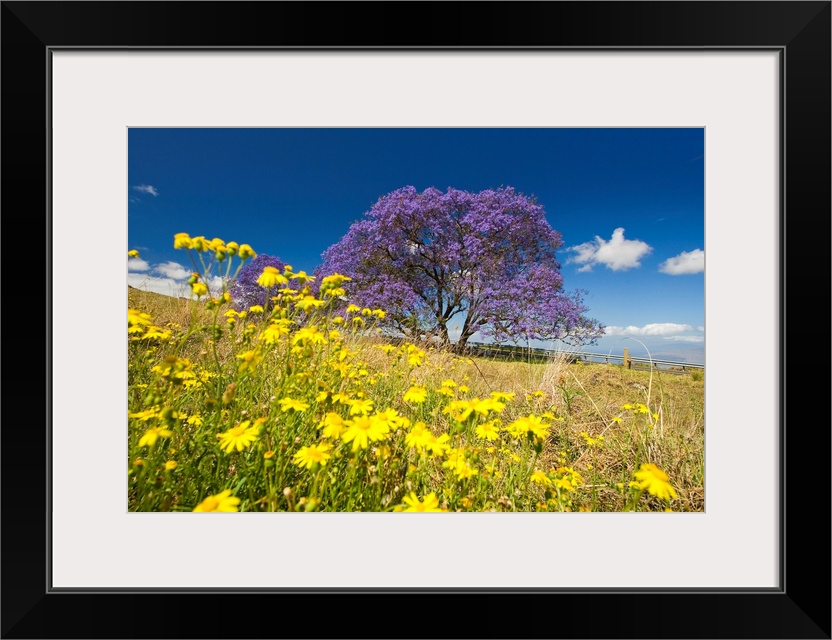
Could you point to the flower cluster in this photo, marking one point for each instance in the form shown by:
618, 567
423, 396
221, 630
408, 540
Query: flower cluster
292, 400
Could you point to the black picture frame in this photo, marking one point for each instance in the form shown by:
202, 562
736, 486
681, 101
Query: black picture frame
800, 608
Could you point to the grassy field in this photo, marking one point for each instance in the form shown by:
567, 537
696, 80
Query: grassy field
304, 409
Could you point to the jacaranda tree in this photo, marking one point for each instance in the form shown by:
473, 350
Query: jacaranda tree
244, 289
488, 256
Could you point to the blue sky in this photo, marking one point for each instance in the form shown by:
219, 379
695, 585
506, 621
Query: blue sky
629, 204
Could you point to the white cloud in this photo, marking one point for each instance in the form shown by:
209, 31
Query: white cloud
586, 253
617, 254
686, 262
147, 188
165, 286
169, 279
137, 264
215, 284
671, 331
172, 270
685, 338
654, 329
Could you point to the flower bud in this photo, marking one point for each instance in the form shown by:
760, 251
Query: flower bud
228, 395
181, 241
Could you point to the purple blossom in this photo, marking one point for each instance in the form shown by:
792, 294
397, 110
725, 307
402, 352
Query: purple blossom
425, 257
244, 289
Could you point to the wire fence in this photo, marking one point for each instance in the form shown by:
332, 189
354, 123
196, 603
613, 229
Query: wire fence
524, 353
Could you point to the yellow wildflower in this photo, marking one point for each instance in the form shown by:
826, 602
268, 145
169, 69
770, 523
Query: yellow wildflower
335, 280
333, 425
541, 478
656, 481
415, 358
416, 395
418, 436
486, 405
250, 359
221, 502
271, 277
362, 429
488, 430
308, 302
464, 470
199, 243
246, 252
181, 241
145, 415
592, 442
239, 437
294, 405
302, 278
430, 503
391, 418
137, 318
309, 336
359, 406
437, 445
529, 424
311, 455
151, 435
275, 331
459, 410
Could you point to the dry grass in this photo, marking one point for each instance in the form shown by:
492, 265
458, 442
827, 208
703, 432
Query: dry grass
589, 397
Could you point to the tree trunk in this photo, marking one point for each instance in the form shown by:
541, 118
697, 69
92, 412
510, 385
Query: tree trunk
441, 332
459, 347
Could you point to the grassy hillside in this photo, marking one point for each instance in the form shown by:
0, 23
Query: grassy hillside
311, 410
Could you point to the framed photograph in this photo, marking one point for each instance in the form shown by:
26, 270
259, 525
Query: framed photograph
223, 98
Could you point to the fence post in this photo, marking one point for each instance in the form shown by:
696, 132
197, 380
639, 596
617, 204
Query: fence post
628, 364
